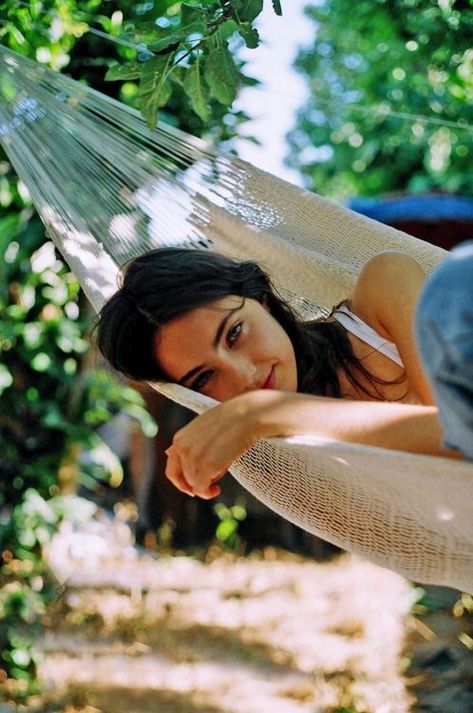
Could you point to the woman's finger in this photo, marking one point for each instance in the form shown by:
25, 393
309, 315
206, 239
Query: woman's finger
175, 474
204, 484
213, 491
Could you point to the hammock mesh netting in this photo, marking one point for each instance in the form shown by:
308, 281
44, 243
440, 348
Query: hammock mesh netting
108, 188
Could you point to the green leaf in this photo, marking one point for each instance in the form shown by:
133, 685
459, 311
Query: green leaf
54, 419
192, 13
222, 75
141, 32
249, 34
21, 657
166, 40
6, 379
197, 91
277, 7
249, 10
147, 423
8, 230
41, 362
166, 44
226, 529
179, 74
155, 87
124, 72
226, 30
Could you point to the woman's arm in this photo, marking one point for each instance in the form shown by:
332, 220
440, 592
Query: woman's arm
204, 449
385, 296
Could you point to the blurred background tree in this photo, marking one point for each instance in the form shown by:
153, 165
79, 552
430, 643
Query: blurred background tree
371, 63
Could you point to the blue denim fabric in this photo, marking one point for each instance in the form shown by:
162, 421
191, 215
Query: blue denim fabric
444, 326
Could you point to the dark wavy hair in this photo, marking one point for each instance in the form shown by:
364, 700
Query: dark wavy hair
164, 283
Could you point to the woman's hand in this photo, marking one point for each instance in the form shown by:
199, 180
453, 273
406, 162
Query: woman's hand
202, 451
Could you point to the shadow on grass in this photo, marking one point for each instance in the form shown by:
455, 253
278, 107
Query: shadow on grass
178, 642
212, 642
120, 699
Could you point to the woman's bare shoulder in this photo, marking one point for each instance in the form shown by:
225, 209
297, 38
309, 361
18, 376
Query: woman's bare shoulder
385, 297
388, 282
387, 268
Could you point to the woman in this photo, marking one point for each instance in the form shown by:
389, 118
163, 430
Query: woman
217, 326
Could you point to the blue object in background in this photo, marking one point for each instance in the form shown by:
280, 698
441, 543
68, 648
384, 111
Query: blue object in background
439, 218
427, 207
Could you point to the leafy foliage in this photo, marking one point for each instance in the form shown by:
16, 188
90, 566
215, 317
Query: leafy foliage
48, 403
187, 45
371, 64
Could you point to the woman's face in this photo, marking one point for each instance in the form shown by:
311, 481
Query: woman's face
226, 348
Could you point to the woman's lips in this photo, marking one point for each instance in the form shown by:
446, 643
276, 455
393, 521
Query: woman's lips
270, 382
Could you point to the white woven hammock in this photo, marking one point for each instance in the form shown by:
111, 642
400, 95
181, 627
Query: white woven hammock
108, 188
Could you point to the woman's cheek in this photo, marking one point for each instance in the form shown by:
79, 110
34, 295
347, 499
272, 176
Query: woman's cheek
221, 391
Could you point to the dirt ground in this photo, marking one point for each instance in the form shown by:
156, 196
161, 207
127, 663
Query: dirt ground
271, 633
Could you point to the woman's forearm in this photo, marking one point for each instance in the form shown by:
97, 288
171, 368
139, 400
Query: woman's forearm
404, 427
203, 451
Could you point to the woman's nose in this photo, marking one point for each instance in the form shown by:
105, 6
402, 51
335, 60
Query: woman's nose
244, 373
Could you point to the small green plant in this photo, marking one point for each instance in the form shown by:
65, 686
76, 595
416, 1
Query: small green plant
230, 518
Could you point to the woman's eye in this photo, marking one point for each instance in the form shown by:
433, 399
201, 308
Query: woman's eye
234, 333
201, 380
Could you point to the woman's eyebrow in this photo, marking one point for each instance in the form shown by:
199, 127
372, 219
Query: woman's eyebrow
216, 341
